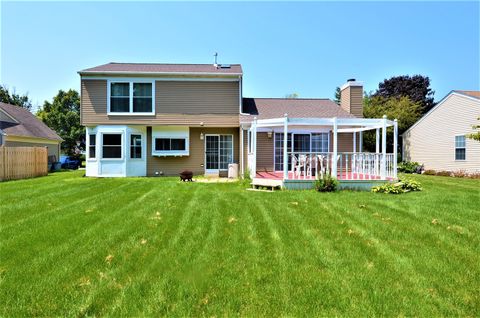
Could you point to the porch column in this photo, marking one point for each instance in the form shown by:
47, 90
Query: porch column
254, 147
377, 140
395, 146
285, 148
241, 152
335, 142
383, 168
355, 141
360, 141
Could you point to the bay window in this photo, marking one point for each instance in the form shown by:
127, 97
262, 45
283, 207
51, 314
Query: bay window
111, 146
170, 144
136, 146
131, 97
92, 146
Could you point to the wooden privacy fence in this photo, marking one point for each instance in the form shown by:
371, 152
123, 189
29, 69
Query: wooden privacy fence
22, 162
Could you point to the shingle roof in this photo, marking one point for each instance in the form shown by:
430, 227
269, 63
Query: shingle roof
475, 94
28, 125
163, 68
265, 108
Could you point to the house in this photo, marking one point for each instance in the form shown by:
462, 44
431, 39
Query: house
438, 139
161, 119
20, 128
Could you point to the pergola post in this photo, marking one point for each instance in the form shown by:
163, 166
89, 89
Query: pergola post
285, 148
354, 141
254, 147
377, 140
335, 149
383, 168
360, 141
241, 152
395, 146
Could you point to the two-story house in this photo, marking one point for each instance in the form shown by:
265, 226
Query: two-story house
161, 119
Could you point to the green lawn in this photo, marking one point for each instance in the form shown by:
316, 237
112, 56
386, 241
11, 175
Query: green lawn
73, 246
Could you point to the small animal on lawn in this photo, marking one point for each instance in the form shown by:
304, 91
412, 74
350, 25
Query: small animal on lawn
186, 176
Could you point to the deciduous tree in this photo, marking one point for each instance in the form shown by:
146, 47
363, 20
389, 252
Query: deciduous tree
14, 98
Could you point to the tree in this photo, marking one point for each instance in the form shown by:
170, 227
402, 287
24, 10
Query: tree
14, 98
403, 109
475, 135
416, 88
63, 116
337, 95
292, 95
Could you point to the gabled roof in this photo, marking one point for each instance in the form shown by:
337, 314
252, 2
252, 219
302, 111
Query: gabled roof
266, 108
152, 68
26, 125
475, 94
468, 94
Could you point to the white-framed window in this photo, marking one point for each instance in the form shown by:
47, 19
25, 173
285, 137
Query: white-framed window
170, 144
135, 146
460, 147
131, 97
92, 146
111, 146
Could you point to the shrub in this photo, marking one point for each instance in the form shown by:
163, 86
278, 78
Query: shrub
408, 167
402, 186
460, 174
444, 173
474, 175
326, 184
430, 172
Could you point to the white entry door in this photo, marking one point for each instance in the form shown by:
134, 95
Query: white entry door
218, 152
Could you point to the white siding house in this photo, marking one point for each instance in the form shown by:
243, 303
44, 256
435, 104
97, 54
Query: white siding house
438, 139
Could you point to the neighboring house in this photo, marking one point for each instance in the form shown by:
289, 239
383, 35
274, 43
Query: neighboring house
20, 128
438, 139
161, 119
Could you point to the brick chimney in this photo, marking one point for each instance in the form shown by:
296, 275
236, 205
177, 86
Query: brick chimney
351, 97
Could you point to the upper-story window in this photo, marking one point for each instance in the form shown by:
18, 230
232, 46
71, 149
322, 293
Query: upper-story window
131, 98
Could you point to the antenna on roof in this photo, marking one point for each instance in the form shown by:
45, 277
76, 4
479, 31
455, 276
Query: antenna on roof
215, 63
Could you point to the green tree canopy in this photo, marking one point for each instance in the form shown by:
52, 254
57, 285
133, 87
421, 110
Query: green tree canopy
416, 88
292, 95
337, 95
14, 98
63, 116
475, 135
403, 109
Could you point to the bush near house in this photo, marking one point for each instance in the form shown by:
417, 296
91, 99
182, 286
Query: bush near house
408, 167
326, 184
402, 186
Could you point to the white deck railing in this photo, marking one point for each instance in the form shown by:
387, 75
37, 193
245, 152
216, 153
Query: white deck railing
350, 165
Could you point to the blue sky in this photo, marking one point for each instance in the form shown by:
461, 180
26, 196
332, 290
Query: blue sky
308, 48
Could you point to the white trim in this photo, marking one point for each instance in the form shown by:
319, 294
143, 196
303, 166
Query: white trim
455, 147
83, 73
159, 79
438, 105
351, 84
121, 133
131, 82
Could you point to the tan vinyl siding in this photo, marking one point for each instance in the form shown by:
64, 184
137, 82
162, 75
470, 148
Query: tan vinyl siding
176, 103
52, 149
265, 152
351, 100
432, 140
172, 166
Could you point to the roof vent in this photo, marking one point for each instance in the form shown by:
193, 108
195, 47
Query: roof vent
351, 80
225, 66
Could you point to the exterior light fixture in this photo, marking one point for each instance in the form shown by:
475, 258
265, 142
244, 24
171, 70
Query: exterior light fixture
201, 136
269, 134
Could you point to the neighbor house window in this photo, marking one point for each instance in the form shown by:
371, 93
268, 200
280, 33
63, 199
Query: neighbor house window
131, 97
92, 146
170, 144
135, 146
112, 146
460, 152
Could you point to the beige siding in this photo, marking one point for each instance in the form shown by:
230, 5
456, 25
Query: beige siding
265, 152
351, 100
432, 141
176, 103
195, 161
52, 149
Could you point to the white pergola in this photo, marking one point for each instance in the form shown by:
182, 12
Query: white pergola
338, 125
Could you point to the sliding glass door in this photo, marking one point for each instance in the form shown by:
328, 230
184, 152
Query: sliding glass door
218, 152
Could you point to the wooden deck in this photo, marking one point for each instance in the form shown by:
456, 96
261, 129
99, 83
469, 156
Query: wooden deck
274, 179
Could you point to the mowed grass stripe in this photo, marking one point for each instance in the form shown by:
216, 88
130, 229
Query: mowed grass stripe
217, 250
